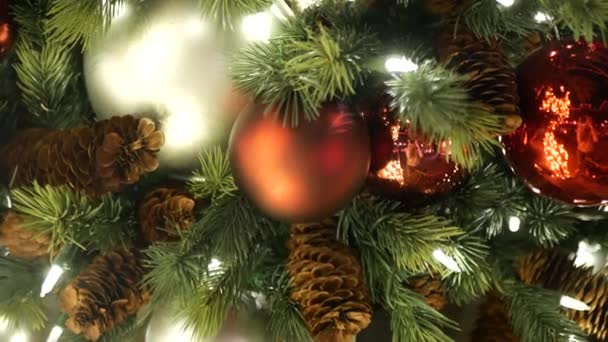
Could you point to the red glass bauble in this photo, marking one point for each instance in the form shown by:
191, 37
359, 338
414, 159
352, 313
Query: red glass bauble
7, 28
561, 150
304, 173
405, 165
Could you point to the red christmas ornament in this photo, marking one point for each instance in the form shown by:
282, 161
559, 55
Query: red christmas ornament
561, 150
300, 174
7, 34
405, 165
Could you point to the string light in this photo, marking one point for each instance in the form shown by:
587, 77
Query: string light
585, 255
541, 17
257, 27
446, 261
215, 265
19, 337
506, 3
574, 304
51, 279
3, 324
514, 223
55, 334
400, 64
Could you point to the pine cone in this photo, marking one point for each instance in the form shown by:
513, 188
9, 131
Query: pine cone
21, 242
104, 294
99, 159
556, 270
431, 289
328, 283
447, 7
492, 80
493, 323
162, 211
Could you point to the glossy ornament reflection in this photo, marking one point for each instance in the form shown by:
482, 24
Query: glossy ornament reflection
300, 174
7, 29
561, 150
405, 165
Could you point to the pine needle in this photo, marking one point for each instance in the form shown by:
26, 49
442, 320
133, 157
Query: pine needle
226, 13
435, 102
214, 178
581, 17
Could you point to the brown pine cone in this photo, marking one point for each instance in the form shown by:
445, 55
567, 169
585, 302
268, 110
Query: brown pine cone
162, 212
431, 289
328, 284
493, 323
447, 7
104, 294
491, 79
556, 270
21, 242
99, 159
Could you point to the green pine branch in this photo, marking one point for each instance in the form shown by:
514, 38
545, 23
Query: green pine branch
226, 13
581, 17
231, 227
174, 272
222, 289
435, 102
548, 222
213, 179
490, 20
285, 322
75, 22
296, 73
71, 217
20, 304
51, 89
536, 317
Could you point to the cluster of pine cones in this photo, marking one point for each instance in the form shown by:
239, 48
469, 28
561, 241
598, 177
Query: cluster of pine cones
97, 159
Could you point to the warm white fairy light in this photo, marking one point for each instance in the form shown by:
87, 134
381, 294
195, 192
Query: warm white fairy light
19, 336
51, 279
514, 223
541, 17
400, 64
3, 324
9, 202
586, 254
55, 334
257, 27
214, 265
446, 260
574, 304
506, 3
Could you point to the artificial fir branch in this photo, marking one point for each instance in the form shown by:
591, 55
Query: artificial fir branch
227, 12
20, 304
47, 79
535, 314
490, 20
213, 179
71, 217
78, 21
435, 102
583, 18
548, 221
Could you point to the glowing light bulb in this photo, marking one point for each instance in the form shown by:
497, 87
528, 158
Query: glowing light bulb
446, 261
506, 3
215, 265
9, 202
514, 223
19, 337
3, 324
585, 255
400, 64
51, 279
257, 27
541, 17
574, 304
55, 334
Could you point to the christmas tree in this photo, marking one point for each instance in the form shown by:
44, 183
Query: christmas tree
282, 170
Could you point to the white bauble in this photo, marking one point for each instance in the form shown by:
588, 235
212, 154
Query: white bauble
171, 64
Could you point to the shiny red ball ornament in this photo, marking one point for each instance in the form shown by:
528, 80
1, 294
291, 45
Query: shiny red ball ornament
304, 173
7, 34
405, 165
561, 150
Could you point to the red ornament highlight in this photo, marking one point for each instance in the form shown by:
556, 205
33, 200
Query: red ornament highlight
561, 149
300, 174
406, 166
